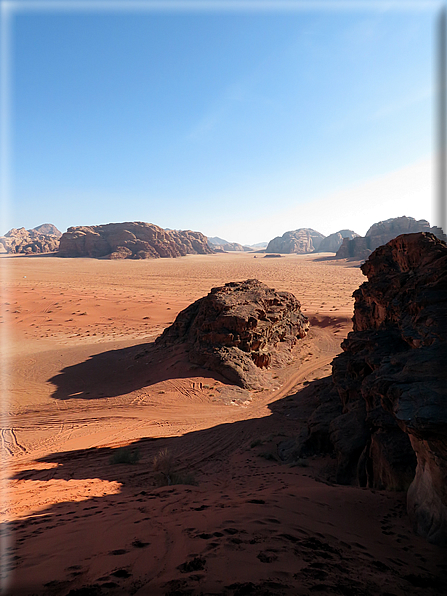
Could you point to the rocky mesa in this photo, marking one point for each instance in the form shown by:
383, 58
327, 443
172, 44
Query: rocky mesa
382, 232
333, 242
239, 329
42, 239
385, 413
131, 240
301, 241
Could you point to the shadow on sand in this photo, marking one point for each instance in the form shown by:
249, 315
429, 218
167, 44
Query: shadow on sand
118, 372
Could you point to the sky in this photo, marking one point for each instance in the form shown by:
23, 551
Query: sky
241, 124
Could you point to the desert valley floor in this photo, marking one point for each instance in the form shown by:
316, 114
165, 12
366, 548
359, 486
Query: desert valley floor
77, 385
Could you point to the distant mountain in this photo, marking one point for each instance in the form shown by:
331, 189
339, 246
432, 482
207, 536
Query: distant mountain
301, 241
218, 241
333, 242
259, 245
47, 229
233, 247
382, 232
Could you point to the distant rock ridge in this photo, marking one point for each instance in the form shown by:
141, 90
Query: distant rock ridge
232, 246
333, 242
385, 413
238, 329
131, 240
382, 232
301, 241
42, 239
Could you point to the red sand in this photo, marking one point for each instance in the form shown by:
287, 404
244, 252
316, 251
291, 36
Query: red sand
74, 523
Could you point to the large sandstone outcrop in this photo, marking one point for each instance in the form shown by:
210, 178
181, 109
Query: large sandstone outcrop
237, 330
382, 232
43, 239
302, 241
333, 242
131, 240
387, 406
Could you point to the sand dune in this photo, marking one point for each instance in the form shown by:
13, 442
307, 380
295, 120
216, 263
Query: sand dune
84, 379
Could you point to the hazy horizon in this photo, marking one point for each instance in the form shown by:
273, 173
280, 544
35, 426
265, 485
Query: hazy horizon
242, 125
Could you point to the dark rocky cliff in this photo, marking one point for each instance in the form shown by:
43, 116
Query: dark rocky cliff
385, 413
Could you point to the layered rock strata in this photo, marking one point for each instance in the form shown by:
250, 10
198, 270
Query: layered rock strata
382, 232
131, 240
43, 239
301, 241
236, 330
385, 413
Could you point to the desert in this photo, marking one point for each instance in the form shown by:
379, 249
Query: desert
209, 497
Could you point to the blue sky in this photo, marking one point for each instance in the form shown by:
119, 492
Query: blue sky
240, 125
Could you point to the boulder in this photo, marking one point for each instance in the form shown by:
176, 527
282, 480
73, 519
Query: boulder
238, 329
382, 232
131, 240
333, 242
301, 241
391, 382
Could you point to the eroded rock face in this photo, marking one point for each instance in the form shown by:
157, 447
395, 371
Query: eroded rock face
382, 232
131, 240
333, 242
43, 239
301, 241
236, 330
385, 414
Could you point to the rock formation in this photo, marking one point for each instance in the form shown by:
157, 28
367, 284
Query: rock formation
333, 242
385, 414
131, 240
303, 240
382, 232
43, 239
232, 246
238, 329
47, 229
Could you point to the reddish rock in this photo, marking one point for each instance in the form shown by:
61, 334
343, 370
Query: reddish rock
131, 240
391, 382
43, 239
302, 241
236, 330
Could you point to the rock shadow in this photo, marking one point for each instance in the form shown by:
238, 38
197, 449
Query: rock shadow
121, 371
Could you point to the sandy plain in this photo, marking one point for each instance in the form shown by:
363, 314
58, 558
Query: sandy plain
80, 379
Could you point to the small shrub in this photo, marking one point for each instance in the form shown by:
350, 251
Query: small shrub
164, 466
125, 456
